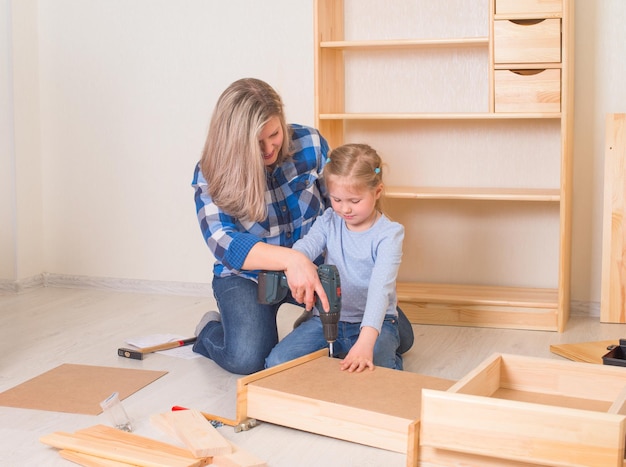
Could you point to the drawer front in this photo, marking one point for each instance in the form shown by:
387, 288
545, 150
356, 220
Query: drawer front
527, 41
527, 90
511, 7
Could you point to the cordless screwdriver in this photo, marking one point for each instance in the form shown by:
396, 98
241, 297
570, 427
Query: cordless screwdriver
273, 288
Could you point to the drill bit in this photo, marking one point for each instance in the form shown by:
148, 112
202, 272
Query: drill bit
330, 349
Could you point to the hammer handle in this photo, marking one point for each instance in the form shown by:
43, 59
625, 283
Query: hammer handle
167, 345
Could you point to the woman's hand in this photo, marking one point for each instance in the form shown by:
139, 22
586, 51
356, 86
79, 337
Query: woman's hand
300, 271
361, 355
304, 281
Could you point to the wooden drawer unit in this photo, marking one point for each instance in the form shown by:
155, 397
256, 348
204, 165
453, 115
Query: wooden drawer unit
527, 41
531, 410
423, 60
527, 90
515, 7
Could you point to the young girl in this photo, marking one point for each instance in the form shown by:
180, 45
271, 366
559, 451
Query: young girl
366, 248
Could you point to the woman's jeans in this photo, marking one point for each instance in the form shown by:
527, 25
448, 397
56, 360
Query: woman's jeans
309, 337
247, 332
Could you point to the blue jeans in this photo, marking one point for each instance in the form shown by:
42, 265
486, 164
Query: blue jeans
309, 337
247, 331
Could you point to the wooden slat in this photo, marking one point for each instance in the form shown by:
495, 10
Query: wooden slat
117, 451
406, 43
476, 295
613, 299
131, 439
509, 430
439, 116
194, 431
87, 460
238, 458
474, 193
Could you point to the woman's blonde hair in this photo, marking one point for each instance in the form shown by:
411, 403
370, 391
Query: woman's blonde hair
232, 163
357, 164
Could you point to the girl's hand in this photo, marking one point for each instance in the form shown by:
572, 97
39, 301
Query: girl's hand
361, 355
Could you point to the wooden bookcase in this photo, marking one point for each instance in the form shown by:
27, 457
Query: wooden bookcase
469, 102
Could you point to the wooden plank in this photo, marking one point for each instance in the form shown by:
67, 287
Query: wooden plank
325, 418
483, 380
433, 457
131, 439
473, 193
477, 295
192, 429
613, 293
117, 451
238, 458
587, 352
573, 379
87, 460
509, 430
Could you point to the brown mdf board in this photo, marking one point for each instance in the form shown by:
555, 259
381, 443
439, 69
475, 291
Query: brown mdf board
613, 294
517, 409
377, 408
78, 389
588, 352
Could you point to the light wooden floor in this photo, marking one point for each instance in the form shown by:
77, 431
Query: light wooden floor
43, 328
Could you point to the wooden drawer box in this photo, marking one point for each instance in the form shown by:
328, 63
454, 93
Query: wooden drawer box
531, 410
517, 7
527, 41
377, 408
527, 90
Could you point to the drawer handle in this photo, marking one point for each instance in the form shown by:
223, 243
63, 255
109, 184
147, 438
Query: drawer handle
526, 22
526, 72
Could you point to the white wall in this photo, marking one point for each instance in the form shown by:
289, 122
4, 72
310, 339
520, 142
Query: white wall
20, 156
127, 91
7, 160
124, 95
599, 84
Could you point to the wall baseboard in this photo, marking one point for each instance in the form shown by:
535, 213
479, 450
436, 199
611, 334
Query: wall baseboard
577, 307
23, 285
107, 283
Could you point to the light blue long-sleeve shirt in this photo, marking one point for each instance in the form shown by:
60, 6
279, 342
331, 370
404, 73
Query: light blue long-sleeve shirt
367, 262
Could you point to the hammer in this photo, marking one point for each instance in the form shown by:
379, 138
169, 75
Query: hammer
238, 426
138, 354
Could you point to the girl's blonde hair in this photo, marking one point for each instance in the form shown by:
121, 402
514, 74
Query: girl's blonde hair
359, 165
232, 163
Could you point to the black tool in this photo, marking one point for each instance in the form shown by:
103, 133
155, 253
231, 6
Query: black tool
139, 353
273, 288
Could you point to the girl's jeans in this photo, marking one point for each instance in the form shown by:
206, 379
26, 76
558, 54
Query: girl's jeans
309, 337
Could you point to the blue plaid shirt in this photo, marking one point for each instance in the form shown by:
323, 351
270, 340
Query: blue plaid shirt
295, 196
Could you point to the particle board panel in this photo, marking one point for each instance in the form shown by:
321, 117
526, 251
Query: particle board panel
72, 388
377, 408
613, 293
